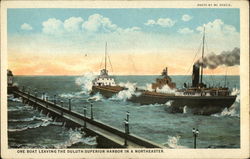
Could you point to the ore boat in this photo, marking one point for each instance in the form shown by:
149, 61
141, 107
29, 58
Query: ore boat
198, 98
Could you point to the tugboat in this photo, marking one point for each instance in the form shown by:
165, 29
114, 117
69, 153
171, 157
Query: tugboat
105, 84
199, 98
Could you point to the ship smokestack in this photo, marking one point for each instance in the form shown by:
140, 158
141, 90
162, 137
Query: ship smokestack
196, 75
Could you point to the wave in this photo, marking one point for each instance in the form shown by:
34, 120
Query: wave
234, 110
166, 89
33, 126
20, 108
168, 106
66, 95
28, 146
187, 110
96, 97
173, 142
151, 105
10, 98
127, 93
86, 82
31, 119
76, 136
147, 87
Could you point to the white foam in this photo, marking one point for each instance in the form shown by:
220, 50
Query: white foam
30, 126
86, 82
45, 122
148, 87
169, 103
166, 89
126, 94
234, 110
96, 97
235, 91
187, 110
20, 108
173, 142
11, 98
72, 95
15, 84
150, 105
76, 136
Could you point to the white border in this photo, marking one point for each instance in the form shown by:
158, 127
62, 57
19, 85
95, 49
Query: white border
243, 152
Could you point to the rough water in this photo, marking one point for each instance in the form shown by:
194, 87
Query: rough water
29, 128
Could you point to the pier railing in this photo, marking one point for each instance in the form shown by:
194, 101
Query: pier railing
117, 137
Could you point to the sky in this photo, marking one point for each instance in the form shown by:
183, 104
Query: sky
141, 41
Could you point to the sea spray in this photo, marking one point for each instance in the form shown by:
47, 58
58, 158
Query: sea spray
96, 97
150, 105
147, 87
31, 126
76, 136
34, 118
166, 89
67, 95
173, 142
187, 110
72, 95
11, 98
168, 106
86, 82
127, 93
234, 110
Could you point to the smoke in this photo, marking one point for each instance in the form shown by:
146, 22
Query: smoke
227, 58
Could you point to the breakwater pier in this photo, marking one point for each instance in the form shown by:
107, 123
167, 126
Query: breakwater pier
107, 136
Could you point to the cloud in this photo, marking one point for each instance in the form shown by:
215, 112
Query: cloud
163, 22
150, 22
218, 28
72, 24
186, 17
53, 26
26, 26
219, 36
185, 31
97, 22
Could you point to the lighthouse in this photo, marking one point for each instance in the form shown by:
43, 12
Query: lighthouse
9, 78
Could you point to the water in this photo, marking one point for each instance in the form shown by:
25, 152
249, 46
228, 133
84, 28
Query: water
29, 128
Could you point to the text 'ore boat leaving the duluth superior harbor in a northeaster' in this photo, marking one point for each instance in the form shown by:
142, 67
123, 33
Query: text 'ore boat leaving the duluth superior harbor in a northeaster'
199, 98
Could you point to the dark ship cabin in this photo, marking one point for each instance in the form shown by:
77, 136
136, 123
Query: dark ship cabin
166, 80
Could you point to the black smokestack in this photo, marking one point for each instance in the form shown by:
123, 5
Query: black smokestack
196, 75
227, 58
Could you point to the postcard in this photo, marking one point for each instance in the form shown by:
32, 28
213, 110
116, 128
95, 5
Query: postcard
124, 79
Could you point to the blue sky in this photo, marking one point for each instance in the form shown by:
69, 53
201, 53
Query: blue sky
154, 38
123, 17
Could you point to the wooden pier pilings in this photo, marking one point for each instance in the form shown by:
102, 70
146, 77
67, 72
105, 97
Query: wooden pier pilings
107, 136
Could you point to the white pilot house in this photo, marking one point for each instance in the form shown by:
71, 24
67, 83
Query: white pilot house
104, 79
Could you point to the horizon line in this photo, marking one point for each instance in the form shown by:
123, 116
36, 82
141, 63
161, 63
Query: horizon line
131, 75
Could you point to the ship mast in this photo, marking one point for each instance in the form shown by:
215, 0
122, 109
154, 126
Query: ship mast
202, 54
106, 56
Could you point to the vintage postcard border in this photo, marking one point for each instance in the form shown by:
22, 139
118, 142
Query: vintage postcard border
243, 152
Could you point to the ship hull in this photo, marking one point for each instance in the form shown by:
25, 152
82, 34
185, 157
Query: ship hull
203, 105
105, 91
